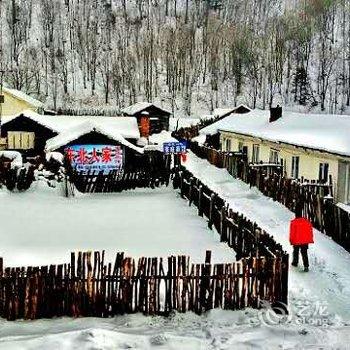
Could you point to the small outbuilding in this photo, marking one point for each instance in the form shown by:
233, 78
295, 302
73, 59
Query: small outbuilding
158, 117
29, 131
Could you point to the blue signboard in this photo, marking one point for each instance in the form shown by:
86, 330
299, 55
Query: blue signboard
174, 148
95, 158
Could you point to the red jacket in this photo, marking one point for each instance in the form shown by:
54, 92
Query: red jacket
301, 232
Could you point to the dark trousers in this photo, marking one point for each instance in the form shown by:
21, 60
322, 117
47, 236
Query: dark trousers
303, 250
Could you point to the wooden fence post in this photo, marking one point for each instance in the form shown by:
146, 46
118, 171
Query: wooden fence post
223, 233
200, 200
284, 279
211, 210
190, 191
182, 184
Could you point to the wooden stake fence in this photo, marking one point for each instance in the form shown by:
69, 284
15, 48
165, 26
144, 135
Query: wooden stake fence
89, 286
245, 237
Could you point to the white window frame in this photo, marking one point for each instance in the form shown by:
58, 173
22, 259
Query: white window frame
256, 154
274, 156
323, 174
295, 168
228, 144
347, 184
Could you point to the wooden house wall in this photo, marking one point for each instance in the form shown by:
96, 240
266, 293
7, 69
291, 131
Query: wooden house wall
21, 123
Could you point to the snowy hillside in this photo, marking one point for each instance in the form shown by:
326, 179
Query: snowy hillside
189, 56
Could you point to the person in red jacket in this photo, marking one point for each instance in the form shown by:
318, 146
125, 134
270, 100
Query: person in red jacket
301, 235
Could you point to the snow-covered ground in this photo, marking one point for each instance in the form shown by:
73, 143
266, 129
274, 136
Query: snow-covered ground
224, 330
40, 226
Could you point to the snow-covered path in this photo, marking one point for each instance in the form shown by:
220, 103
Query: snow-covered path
329, 278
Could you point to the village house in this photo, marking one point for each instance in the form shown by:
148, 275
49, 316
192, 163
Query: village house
309, 146
145, 112
32, 133
15, 101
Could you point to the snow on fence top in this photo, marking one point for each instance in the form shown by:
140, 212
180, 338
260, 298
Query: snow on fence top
84, 128
24, 97
140, 106
125, 126
329, 133
14, 157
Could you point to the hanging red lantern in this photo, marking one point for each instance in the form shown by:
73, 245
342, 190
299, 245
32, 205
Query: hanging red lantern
184, 157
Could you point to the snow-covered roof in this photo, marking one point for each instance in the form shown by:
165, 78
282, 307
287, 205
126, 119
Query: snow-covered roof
156, 141
200, 139
24, 97
140, 106
125, 126
235, 121
220, 112
182, 123
84, 128
329, 133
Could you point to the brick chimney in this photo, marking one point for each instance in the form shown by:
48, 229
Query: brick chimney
275, 113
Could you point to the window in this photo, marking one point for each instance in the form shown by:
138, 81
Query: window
274, 156
323, 172
255, 156
228, 145
240, 146
295, 167
347, 184
20, 140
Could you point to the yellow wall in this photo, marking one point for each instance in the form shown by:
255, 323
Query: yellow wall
13, 106
309, 160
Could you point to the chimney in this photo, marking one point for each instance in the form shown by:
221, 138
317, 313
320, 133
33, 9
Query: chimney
275, 113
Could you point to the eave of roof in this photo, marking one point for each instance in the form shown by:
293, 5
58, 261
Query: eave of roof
280, 142
20, 95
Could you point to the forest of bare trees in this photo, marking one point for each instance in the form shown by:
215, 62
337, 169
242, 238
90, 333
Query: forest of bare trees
183, 53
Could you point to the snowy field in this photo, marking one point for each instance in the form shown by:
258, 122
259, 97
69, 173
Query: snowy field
40, 227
